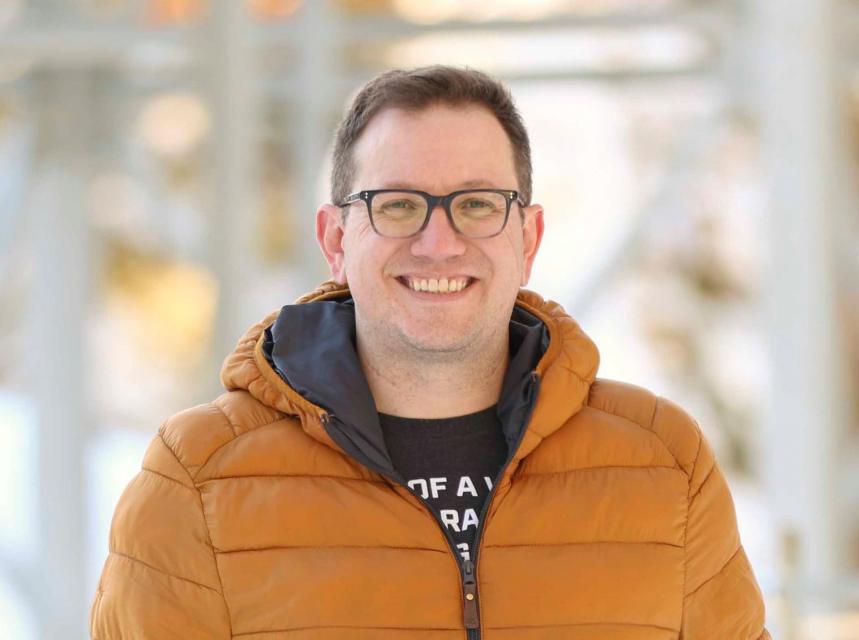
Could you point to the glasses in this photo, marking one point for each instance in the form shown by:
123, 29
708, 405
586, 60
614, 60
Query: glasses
401, 213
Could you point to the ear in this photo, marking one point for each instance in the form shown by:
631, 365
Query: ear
329, 235
532, 234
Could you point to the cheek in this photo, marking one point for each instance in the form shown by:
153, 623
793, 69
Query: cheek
364, 260
510, 258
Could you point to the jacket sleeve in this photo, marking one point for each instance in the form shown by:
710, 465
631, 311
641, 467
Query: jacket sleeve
721, 596
160, 580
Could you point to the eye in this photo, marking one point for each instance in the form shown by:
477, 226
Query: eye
398, 207
477, 203
476, 206
399, 204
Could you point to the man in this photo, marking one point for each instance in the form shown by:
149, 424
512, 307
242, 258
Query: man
420, 448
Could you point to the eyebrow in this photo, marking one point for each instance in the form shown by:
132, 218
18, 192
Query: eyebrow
468, 184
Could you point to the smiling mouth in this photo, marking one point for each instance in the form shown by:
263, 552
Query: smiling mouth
436, 285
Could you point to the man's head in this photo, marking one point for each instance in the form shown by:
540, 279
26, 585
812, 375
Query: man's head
415, 90
436, 133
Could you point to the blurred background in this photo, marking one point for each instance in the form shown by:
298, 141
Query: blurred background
161, 162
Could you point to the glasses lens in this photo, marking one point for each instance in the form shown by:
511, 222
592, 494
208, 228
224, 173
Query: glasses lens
398, 214
479, 214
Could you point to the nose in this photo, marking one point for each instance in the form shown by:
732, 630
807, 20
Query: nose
438, 240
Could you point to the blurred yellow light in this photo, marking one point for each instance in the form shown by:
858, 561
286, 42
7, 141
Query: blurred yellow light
427, 12
180, 302
274, 9
174, 123
437, 11
167, 12
170, 305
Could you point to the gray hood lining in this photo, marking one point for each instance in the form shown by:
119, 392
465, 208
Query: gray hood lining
311, 346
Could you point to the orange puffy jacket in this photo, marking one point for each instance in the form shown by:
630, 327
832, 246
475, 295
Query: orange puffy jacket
273, 511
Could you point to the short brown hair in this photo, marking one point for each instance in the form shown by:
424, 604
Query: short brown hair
417, 89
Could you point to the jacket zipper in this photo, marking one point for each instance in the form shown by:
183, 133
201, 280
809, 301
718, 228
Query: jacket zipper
468, 568
474, 632
469, 603
470, 614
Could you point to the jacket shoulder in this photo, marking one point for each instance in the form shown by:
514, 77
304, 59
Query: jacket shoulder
668, 421
195, 434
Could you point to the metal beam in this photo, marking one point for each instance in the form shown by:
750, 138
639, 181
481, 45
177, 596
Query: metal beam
630, 241
319, 86
85, 45
56, 359
711, 17
804, 134
290, 87
234, 92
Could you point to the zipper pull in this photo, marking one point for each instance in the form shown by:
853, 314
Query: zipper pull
469, 590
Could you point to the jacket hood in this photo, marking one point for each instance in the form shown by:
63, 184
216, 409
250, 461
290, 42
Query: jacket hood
301, 360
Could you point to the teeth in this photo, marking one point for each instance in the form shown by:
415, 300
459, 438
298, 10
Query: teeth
434, 285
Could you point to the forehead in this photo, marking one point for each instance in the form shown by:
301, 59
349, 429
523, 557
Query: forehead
439, 147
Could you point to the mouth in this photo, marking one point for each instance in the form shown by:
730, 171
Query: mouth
437, 286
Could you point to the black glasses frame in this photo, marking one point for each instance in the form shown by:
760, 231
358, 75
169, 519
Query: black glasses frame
510, 196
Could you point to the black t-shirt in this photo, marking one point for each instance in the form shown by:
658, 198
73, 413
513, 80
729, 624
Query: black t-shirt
451, 463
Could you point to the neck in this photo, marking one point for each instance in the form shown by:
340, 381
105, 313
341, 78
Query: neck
411, 385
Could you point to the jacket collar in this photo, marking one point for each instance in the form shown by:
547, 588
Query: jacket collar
301, 360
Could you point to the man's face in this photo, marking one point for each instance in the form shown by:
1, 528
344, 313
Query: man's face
438, 150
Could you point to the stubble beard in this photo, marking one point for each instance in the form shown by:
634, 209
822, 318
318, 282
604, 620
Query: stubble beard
422, 343
406, 350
